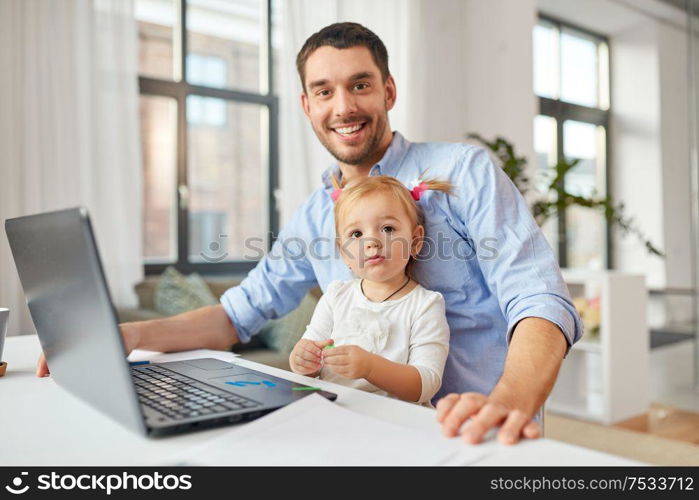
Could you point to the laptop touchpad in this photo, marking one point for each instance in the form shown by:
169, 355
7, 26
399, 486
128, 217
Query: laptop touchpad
210, 364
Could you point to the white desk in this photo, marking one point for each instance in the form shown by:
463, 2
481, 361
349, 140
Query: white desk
42, 424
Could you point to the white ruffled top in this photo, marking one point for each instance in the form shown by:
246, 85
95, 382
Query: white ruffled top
410, 330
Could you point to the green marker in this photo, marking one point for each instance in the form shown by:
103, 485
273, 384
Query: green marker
328, 347
305, 389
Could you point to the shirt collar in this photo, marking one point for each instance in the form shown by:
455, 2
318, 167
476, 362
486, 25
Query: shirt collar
388, 165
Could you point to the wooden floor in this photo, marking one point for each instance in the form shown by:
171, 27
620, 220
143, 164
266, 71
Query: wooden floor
666, 422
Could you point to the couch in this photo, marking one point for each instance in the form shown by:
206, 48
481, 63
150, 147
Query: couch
271, 346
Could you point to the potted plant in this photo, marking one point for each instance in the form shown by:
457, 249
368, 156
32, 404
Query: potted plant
556, 198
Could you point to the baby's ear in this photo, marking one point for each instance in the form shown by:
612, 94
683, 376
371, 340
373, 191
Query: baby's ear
343, 254
418, 239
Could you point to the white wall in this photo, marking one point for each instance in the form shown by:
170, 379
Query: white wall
649, 131
636, 159
499, 81
651, 148
473, 71
434, 92
674, 141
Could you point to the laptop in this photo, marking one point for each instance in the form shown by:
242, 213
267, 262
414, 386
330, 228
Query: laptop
64, 283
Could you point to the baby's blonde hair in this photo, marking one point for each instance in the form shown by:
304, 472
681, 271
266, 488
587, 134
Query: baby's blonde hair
353, 191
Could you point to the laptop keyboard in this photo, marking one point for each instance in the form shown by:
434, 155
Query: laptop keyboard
181, 397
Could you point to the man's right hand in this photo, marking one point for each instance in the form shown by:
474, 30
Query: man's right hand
305, 358
129, 334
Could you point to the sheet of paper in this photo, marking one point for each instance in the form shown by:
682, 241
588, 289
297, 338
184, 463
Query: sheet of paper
315, 431
160, 357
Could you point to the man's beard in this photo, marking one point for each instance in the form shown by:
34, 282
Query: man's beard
365, 153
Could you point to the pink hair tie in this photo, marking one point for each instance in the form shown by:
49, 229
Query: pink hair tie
336, 194
418, 190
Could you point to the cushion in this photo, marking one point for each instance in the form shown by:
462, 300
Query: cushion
283, 333
175, 293
145, 290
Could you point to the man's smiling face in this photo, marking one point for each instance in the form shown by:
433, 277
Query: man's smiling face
347, 102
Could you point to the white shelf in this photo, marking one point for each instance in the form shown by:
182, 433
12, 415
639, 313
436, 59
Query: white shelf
587, 346
605, 378
575, 410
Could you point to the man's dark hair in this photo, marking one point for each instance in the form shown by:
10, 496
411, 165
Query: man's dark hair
344, 36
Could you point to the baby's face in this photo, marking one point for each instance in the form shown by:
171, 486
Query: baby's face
376, 236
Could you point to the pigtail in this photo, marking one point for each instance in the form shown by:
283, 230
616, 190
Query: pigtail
338, 186
337, 183
420, 186
437, 185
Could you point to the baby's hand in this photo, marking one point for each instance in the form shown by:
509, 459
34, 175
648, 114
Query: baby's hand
349, 361
305, 357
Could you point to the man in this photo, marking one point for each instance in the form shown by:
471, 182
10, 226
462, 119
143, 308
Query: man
509, 313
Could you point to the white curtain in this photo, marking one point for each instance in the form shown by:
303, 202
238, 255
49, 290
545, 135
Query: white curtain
69, 132
303, 158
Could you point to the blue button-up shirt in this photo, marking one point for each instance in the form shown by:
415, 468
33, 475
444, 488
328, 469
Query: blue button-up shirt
483, 252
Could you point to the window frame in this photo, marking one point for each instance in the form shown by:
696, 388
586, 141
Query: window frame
561, 111
179, 89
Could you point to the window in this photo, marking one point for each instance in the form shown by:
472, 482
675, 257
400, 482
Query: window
207, 70
571, 80
209, 129
206, 111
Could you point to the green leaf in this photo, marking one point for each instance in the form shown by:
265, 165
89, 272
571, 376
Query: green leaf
556, 199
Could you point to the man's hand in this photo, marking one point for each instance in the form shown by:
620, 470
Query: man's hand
306, 356
129, 334
349, 361
534, 357
485, 413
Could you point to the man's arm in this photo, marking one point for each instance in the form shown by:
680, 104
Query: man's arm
204, 328
533, 360
281, 279
273, 288
534, 299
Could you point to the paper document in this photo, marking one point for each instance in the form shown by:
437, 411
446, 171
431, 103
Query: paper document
315, 431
